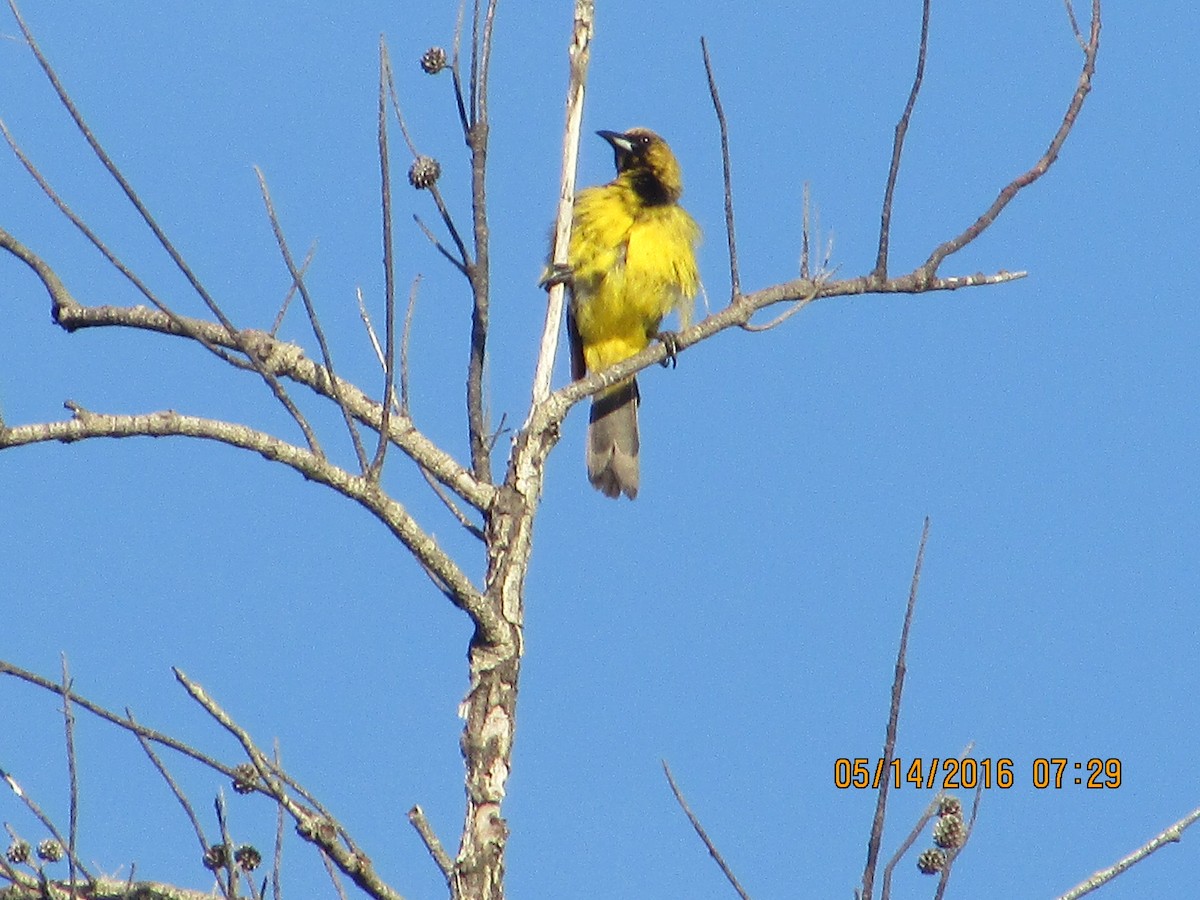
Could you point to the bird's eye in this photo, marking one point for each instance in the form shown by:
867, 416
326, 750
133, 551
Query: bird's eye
643, 141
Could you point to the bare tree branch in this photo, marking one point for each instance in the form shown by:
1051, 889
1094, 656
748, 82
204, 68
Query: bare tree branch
429, 838
277, 861
72, 774
95, 241
291, 291
804, 290
1039, 168
580, 53
389, 268
463, 261
321, 830
928, 813
102, 889
889, 744
159, 234
440, 568
735, 280
180, 796
885, 224
463, 117
712, 848
41, 816
313, 319
273, 356
149, 734
1075, 26
1171, 835
480, 271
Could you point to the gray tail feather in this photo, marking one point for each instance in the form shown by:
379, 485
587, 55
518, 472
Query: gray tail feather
612, 447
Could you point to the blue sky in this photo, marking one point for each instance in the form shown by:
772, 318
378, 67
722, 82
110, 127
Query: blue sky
740, 619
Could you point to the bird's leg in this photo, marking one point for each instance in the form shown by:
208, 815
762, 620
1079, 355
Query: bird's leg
669, 340
557, 273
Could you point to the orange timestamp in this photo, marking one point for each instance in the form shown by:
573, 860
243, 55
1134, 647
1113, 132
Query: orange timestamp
967, 774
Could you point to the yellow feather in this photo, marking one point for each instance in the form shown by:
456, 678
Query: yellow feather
632, 259
632, 263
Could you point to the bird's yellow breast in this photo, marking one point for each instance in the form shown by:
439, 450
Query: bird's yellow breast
632, 263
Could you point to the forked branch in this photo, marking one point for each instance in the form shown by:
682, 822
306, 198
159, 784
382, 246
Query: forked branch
1022, 181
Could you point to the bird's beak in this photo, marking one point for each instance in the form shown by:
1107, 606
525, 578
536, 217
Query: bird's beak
619, 142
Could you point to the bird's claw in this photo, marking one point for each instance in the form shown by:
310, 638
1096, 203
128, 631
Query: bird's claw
670, 341
557, 274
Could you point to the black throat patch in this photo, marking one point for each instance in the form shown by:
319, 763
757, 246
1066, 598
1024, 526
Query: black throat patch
652, 191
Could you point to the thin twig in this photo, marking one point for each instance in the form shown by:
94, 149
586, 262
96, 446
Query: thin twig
1075, 25
805, 227
322, 831
105, 251
472, 529
917, 830
371, 336
479, 271
485, 60
291, 291
230, 885
889, 745
405, 407
953, 855
463, 118
735, 281
41, 816
72, 773
885, 223
172, 784
99, 711
439, 246
712, 849
580, 53
473, 83
463, 261
112, 168
787, 313
416, 816
1171, 835
313, 319
494, 437
281, 357
389, 269
277, 863
929, 812
334, 877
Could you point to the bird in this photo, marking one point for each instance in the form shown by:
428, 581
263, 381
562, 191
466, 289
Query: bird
631, 261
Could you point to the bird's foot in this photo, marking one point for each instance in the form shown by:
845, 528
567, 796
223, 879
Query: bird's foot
557, 274
670, 341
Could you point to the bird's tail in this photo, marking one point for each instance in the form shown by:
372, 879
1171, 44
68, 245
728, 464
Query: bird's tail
612, 447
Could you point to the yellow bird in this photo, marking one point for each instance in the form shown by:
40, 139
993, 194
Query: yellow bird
632, 260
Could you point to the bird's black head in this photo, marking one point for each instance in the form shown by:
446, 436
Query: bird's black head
645, 161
